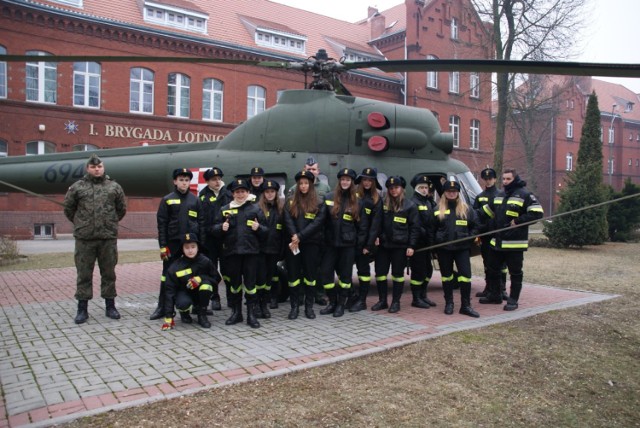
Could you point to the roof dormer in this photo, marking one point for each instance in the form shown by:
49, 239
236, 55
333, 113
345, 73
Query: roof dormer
177, 14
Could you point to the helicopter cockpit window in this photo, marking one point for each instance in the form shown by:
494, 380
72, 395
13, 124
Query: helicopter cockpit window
469, 185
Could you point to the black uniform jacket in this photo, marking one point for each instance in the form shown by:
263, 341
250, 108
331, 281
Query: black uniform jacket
426, 207
178, 214
308, 226
373, 213
343, 230
184, 268
212, 203
274, 242
485, 199
400, 229
240, 238
452, 227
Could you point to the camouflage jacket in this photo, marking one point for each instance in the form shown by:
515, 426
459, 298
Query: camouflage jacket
95, 206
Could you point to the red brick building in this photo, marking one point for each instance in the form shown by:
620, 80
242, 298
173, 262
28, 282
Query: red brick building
58, 107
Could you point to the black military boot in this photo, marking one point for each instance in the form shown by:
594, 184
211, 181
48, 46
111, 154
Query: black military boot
465, 298
273, 294
159, 311
361, 303
202, 317
309, 297
341, 299
257, 308
395, 298
110, 309
236, 310
185, 317
382, 296
83, 312
216, 305
448, 297
294, 299
503, 286
484, 292
493, 293
423, 294
252, 321
352, 297
263, 301
417, 301
333, 300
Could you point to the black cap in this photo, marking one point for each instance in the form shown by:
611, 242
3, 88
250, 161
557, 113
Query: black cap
239, 183
488, 173
182, 171
451, 184
421, 179
94, 160
270, 184
212, 172
371, 173
395, 180
311, 161
256, 171
347, 172
190, 237
305, 174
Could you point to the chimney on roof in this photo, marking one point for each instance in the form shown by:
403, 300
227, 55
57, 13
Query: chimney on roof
378, 23
371, 12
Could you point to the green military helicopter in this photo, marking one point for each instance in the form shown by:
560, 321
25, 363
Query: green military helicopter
340, 130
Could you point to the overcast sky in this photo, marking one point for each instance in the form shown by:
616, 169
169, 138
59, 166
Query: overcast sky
611, 37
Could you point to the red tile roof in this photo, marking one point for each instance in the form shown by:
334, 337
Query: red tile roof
614, 93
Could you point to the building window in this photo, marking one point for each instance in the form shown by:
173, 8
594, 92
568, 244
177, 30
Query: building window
3, 74
141, 90
174, 16
3, 149
569, 158
42, 231
610, 163
84, 148
474, 85
284, 42
602, 134
454, 128
612, 135
40, 148
76, 3
569, 128
86, 84
212, 97
454, 28
432, 76
41, 80
256, 100
630, 162
454, 82
179, 95
475, 134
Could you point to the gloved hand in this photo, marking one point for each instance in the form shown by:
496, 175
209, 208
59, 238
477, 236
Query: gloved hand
165, 254
169, 324
194, 282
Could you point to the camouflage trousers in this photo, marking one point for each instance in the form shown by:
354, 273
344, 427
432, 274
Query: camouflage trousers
105, 251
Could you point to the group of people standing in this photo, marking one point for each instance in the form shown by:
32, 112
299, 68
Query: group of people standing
246, 229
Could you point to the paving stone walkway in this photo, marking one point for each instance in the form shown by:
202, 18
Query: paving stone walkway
52, 370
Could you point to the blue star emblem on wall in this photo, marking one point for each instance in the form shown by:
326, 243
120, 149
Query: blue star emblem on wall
71, 127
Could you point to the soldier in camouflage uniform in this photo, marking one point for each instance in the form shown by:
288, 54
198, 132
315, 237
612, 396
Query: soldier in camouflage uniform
95, 205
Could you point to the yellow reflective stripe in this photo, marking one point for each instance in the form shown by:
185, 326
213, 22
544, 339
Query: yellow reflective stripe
197, 278
229, 212
498, 200
463, 279
488, 211
249, 223
381, 278
206, 287
278, 226
202, 197
416, 282
310, 283
275, 278
423, 208
504, 270
512, 213
367, 211
347, 217
535, 208
226, 278
493, 242
261, 286
364, 278
173, 201
193, 213
516, 201
235, 290
309, 216
483, 199
397, 278
344, 285
163, 278
329, 286
329, 203
447, 278
267, 287
252, 291
294, 283
400, 219
515, 244
213, 199
461, 223
184, 272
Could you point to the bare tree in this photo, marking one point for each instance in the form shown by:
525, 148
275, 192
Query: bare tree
528, 29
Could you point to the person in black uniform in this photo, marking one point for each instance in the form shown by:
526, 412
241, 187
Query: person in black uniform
518, 205
190, 282
241, 226
421, 266
368, 192
179, 213
485, 199
454, 220
256, 181
344, 228
304, 213
398, 239
213, 197
271, 249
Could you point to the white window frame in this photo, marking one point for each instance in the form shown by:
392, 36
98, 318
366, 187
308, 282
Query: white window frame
143, 95
256, 100
454, 128
3, 74
85, 83
75, 3
475, 134
432, 76
612, 135
569, 128
178, 95
41, 80
569, 162
42, 147
474, 85
212, 96
43, 230
84, 148
173, 16
610, 163
454, 29
454, 82
280, 41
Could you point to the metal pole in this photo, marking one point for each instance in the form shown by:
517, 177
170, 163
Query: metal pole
611, 141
